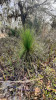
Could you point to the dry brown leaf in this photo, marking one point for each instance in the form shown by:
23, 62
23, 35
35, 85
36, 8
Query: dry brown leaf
37, 91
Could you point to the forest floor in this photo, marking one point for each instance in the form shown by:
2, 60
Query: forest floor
29, 77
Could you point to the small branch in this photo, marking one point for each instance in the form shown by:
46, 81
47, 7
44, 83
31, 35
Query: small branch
22, 82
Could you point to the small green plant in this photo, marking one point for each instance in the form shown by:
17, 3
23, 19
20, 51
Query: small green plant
13, 32
27, 39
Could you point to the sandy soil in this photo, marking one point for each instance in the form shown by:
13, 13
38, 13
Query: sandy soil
3, 35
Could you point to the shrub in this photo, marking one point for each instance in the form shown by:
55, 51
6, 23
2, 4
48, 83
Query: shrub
17, 33
14, 32
27, 39
40, 50
29, 24
37, 25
